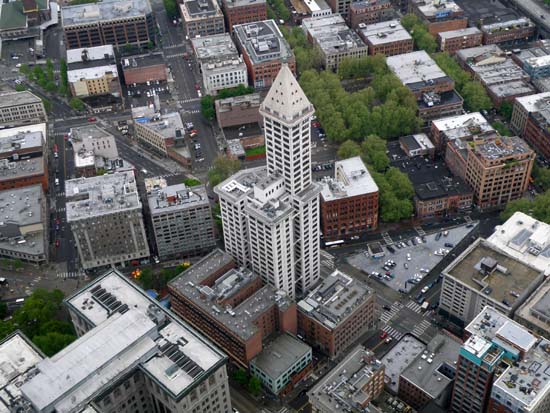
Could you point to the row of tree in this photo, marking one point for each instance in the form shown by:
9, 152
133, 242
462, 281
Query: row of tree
538, 208
159, 280
423, 39
395, 188
208, 108
277, 9
307, 55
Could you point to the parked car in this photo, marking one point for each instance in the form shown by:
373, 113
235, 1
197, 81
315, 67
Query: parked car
384, 335
92, 119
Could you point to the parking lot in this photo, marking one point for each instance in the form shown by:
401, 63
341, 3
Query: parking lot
412, 259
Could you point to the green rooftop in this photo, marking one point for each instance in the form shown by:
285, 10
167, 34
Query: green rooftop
12, 16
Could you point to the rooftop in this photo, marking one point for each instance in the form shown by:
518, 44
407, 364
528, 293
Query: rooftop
334, 299
535, 102
399, 357
101, 195
216, 47
536, 310
526, 239
332, 34
502, 71
263, 42
343, 387
240, 319
506, 25
416, 68
280, 355
90, 54
247, 101
240, 184
500, 277
269, 208
462, 126
477, 54
21, 142
200, 9
351, 179
25, 97
104, 11
434, 369
96, 72
240, 3
503, 148
168, 125
176, 197
437, 9
384, 32
140, 61
468, 31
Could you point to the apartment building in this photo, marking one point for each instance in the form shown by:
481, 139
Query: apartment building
453, 40
349, 201
243, 11
483, 275
93, 149
534, 60
496, 167
359, 379
388, 38
458, 127
239, 110
21, 108
369, 12
263, 49
141, 69
231, 306
220, 63
181, 217
201, 18
336, 313
509, 32
433, 89
23, 159
334, 38
496, 355
439, 16
110, 22
105, 215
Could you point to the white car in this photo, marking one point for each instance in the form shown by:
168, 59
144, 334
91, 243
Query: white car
425, 289
408, 256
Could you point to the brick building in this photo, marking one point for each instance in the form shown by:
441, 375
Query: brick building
110, 22
349, 201
369, 12
458, 127
240, 110
537, 132
525, 106
243, 11
263, 48
201, 18
336, 313
388, 38
230, 306
144, 68
453, 40
439, 16
509, 32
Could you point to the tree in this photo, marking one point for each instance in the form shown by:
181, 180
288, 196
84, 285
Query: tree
47, 105
207, 107
475, 97
64, 80
222, 168
39, 308
410, 20
541, 177
501, 128
538, 208
235, 91
51, 87
77, 104
171, 7
20, 87
3, 310
374, 153
349, 149
506, 110
52, 343
240, 376
146, 279
50, 76
254, 385
17, 264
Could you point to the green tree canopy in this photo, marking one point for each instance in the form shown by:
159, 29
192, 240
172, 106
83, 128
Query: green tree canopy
506, 109
77, 104
541, 177
539, 208
240, 376
423, 39
207, 107
254, 385
171, 7
349, 149
222, 168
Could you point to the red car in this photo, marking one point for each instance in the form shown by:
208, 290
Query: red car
57, 221
315, 124
57, 243
66, 137
92, 119
383, 335
197, 86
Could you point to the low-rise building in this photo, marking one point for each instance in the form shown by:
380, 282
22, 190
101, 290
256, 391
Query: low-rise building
369, 12
359, 379
244, 11
263, 49
535, 312
109, 22
239, 110
349, 201
182, 219
221, 65
433, 89
105, 215
398, 358
92, 71
483, 275
201, 18
21, 108
230, 306
334, 38
534, 60
24, 227
503, 79
453, 40
497, 167
439, 16
23, 159
336, 313
140, 69
309, 8
282, 363
417, 145
530, 118
430, 376
388, 38
458, 127
518, 30
93, 148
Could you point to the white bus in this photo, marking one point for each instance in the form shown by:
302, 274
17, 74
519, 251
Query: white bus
332, 244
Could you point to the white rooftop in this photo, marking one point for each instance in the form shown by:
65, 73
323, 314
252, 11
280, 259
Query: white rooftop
17, 356
352, 178
534, 103
459, 32
385, 32
414, 67
456, 127
92, 53
96, 72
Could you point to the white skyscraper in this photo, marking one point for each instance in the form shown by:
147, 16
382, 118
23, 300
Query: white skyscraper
282, 205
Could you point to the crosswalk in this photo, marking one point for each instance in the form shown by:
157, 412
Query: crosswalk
173, 46
413, 306
182, 101
387, 315
421, 328
70, 274
392, 332
192, 111
171, 56
60, 209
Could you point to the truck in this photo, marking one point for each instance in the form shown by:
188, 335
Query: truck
425, 305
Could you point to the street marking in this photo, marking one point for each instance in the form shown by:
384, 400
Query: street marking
388, 315
421, 328
189, 100
393, 332
171, 56
415, 307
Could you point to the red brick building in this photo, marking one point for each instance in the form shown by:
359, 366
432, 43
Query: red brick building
439, 16
240, 110
369, 12
145, 68
454, 40
519, 30
388, 38
537, 132
243, 11
230, 306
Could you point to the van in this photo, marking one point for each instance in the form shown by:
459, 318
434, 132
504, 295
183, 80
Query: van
56, 181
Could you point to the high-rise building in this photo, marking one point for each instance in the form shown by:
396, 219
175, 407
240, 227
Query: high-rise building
271, 218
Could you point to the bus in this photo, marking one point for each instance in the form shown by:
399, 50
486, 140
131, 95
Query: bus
332, 244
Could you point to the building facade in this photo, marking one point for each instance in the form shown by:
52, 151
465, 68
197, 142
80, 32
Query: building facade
239, 110
105, 216
439, 16
454, 40
140, 69
369, 12
509, 32
244, 11
525, 106
93, 148
21, 108
201, 18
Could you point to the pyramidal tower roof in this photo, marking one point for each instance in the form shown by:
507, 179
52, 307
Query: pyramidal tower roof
286, 99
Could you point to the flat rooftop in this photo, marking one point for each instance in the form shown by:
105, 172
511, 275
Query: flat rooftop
263, 41
101, 195
280, 355
504, 71
385, 32
216, 47
96, 72
535, 102
104, 11
474, 54
25, 97
399, 358
200, 9
508, 24
334, 299
141, 61
90, 54
243, 3
344, 384
332, 34
176, 198
351, 179
536, 310
503, 147
21, 142
468, 31
241, 183
168, 125
415, 68
461, 126
526, 239
436, 9
506, 281
91, 131
434, 370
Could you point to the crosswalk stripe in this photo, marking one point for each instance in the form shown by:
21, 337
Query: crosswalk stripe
393, 332
414, 306
189, 100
